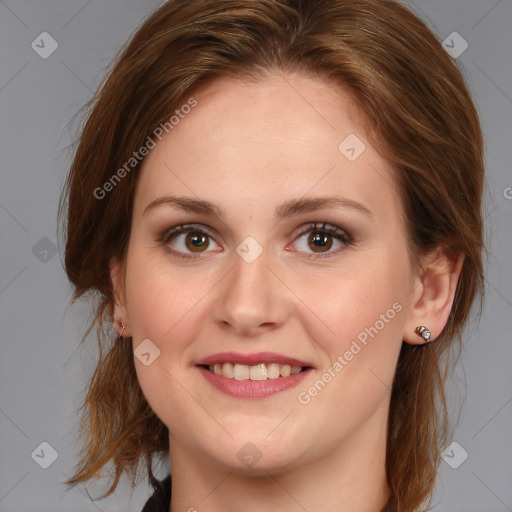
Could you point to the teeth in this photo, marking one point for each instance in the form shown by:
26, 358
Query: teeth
241, 372
258, 372
286, 370
272, 371
226, 370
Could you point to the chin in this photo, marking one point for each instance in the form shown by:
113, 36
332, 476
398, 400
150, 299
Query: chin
258, 457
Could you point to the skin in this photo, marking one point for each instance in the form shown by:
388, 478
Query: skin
248, 147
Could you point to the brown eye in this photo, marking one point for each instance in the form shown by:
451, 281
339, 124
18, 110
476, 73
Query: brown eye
318, 238
196, 241
185, 240
320, 241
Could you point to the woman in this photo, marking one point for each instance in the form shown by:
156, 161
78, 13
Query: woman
278, 204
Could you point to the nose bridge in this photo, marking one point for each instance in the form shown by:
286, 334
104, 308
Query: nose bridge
251, 299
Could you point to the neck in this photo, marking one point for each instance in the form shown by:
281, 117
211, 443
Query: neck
350, 477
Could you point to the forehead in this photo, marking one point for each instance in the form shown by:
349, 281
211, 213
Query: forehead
279, 90
275, 138
269, 110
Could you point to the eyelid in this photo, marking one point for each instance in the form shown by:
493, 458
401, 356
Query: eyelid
185, 228
321, 226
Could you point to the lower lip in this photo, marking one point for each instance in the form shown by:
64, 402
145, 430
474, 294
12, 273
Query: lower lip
253, 388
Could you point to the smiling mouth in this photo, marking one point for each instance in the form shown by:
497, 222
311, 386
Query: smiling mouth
262, 371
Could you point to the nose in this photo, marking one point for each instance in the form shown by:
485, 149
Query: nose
251, 300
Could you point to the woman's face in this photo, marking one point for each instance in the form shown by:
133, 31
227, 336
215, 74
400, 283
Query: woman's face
273, 277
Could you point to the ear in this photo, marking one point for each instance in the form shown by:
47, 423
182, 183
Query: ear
433, 292
118, 308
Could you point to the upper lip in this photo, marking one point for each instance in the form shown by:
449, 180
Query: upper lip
250, 359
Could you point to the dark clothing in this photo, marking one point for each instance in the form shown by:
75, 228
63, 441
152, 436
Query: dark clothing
160, 501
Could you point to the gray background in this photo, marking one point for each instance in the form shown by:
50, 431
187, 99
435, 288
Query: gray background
42, 373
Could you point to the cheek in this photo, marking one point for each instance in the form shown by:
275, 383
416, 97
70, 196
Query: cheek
360, 350
158, 297
355, 298
163, 308
359, 312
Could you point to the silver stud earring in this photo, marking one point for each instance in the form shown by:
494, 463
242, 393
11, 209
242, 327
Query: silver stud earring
423, 331
121, 333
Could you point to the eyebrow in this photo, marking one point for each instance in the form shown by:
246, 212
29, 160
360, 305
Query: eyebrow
286, 209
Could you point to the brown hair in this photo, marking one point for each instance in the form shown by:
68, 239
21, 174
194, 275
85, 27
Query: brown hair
424, 123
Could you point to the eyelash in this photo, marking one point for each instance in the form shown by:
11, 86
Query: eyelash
318, 227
